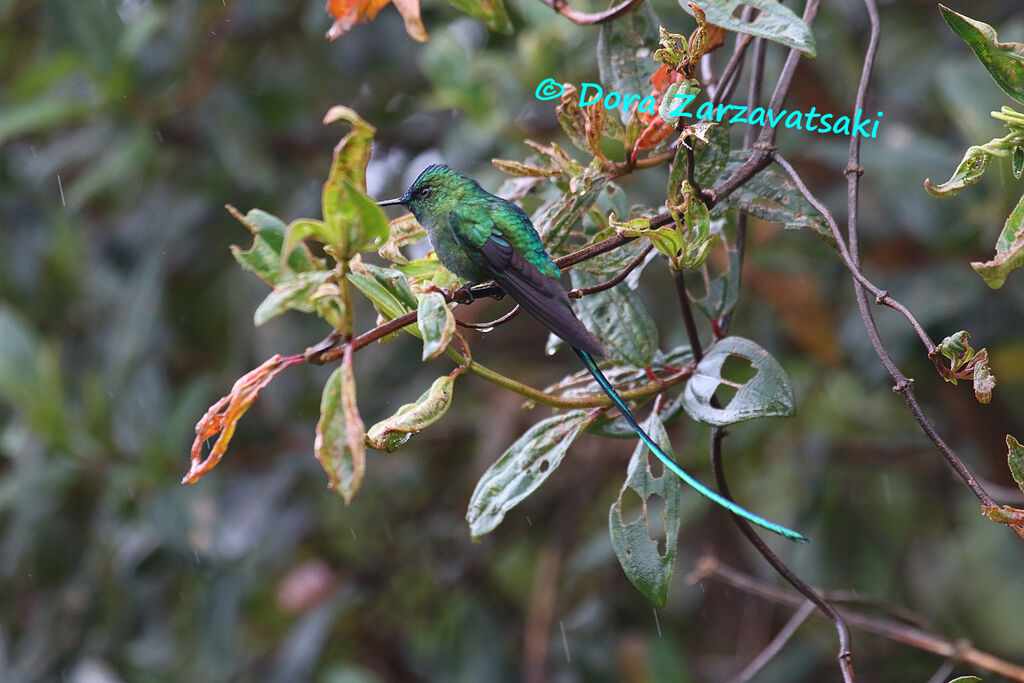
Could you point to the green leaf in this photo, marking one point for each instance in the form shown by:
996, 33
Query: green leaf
776, 22
293, 294
264, 257
347, 179
767, 393
339, 434
436, 323
521, 469
972, 167
391, 279
491, 12
619, 320
306, 228
619, 61
412, 418
1009, 250
1004, 61
771, 196
370, 227
383, 300
635, 544
1015, 458
709, 160
676, 96
723, 289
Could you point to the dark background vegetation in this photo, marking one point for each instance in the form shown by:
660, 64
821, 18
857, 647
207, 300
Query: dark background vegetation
124, 129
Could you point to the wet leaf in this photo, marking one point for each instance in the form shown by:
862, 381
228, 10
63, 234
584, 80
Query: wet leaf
521, 469
636, 544
303, 229
339, 444
771, 196
436, 323
296, 294
1004, 61
223, 416
412, 418
776, 22
618, 318
972, 167
387, 305
1015, 459
264, 256
390, 279
767, 393
348, 13
348, 212
1009, 250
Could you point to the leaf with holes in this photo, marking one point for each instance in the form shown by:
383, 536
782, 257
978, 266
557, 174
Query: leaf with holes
521, 469
972, 167
619, 320
765, 394
1004, 61
775, 21
618, 52
636, 544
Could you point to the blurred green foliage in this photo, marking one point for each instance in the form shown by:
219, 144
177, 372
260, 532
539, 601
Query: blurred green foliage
124, 129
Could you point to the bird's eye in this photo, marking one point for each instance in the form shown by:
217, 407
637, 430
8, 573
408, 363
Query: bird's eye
423, 193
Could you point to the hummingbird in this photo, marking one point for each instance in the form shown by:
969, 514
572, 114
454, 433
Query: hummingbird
481, 237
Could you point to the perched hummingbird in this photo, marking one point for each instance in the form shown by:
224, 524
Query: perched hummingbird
480, 237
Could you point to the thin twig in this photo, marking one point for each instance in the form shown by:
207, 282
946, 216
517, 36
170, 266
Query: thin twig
492, 324
881, 296
778, 642
961, 651
586, 18
608, 284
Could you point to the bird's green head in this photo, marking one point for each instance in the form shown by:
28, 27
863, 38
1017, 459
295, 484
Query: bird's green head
435, 192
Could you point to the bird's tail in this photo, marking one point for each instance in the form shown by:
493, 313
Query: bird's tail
591, 365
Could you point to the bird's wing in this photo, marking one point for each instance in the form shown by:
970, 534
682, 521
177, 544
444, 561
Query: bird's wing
540, 295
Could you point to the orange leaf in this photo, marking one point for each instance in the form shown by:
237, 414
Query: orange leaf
223, 416
348, 13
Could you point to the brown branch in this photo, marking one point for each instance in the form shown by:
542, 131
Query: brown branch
961, 651
608, 284
494, 323
588, 19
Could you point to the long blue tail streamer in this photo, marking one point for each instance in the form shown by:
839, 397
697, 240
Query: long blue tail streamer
591, 365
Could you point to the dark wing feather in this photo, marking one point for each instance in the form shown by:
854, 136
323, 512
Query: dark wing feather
539, 295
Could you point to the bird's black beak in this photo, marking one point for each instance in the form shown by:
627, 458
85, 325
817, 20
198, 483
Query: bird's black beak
391, 202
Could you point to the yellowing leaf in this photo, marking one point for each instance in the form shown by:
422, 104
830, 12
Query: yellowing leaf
412, 418
348, 13
223, 416
339, 434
